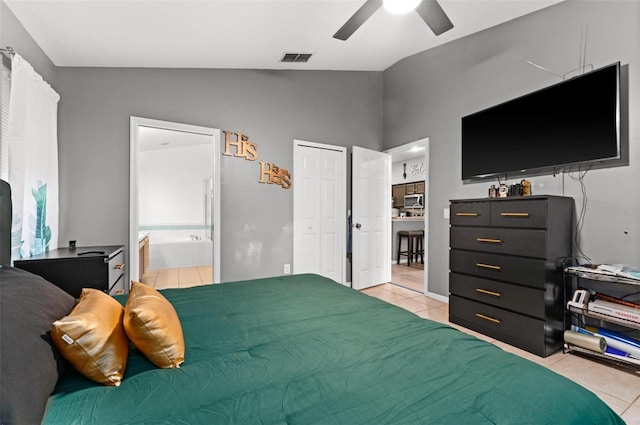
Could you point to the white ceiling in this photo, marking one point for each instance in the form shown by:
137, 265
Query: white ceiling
243, 33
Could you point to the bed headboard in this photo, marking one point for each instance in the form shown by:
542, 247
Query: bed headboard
5, 222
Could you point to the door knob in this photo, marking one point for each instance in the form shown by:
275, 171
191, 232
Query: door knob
358, 225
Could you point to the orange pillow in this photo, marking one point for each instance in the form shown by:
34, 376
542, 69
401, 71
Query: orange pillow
92, 339
152, 325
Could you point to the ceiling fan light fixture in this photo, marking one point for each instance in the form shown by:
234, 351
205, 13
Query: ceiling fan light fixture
400, 6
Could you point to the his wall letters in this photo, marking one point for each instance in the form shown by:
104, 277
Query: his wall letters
269, 172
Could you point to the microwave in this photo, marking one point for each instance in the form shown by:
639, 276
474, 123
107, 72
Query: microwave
414, 201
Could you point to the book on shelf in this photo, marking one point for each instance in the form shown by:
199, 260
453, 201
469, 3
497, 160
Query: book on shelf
615, 310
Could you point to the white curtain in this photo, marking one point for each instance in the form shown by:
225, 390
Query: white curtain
33, 161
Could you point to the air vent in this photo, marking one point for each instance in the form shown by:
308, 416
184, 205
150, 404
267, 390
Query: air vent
295, 57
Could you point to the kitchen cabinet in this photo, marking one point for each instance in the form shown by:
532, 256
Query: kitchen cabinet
398, 191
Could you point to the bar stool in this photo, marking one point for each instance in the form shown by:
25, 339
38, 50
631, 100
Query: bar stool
419, 251
410, 253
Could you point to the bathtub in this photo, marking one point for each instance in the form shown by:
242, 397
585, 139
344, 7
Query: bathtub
169, 249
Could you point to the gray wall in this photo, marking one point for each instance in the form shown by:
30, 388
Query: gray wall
272, 107
426, 95
13, 34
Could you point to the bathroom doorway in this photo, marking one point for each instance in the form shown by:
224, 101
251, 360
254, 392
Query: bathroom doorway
409, 178
175, 204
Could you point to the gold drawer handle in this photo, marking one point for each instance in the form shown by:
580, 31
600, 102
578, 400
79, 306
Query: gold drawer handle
488, 240
484, 291
466, 214
488, 266
514, 214
119, 266
490, 319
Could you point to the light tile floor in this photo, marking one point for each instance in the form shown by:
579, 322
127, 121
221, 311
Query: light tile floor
620, 389
411, 277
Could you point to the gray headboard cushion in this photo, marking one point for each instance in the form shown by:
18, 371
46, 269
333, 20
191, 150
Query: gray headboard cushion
5, 222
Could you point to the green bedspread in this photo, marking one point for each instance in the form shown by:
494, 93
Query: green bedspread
305, 350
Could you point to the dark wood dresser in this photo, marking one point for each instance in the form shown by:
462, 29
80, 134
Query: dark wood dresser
506, 277
98, 267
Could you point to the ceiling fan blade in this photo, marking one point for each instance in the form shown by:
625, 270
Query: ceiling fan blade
358, 18
434, 16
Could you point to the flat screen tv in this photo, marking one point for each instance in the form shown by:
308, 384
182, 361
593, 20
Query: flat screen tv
573, 122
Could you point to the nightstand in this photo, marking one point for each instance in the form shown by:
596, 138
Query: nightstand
71, 269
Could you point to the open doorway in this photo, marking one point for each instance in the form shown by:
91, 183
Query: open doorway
175, 204
409, 206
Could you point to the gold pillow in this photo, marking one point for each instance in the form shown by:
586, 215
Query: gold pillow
92, 339
152, 325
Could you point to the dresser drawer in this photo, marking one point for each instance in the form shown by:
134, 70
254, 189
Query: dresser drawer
524, 242
513, 328
115, 269
525, 271
470, 213
523, 299
531, 214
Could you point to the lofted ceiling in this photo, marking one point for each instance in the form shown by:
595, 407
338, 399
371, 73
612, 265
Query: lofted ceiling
243, 33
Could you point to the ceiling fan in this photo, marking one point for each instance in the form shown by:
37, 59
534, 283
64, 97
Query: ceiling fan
429, 10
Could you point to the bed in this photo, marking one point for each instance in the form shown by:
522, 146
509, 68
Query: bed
298, 349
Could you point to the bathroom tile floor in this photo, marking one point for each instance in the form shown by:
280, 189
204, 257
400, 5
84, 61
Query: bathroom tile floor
183, 277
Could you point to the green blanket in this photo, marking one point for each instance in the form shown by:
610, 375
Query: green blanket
303, 349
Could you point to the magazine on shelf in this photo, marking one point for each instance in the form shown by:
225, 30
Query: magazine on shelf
607, 271
621, 270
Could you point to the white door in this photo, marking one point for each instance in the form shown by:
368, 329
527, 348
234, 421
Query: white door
371, 205
319, 212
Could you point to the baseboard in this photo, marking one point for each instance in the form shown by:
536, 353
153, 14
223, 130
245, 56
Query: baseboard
437, 297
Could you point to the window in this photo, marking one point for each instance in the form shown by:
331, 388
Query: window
5, 87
